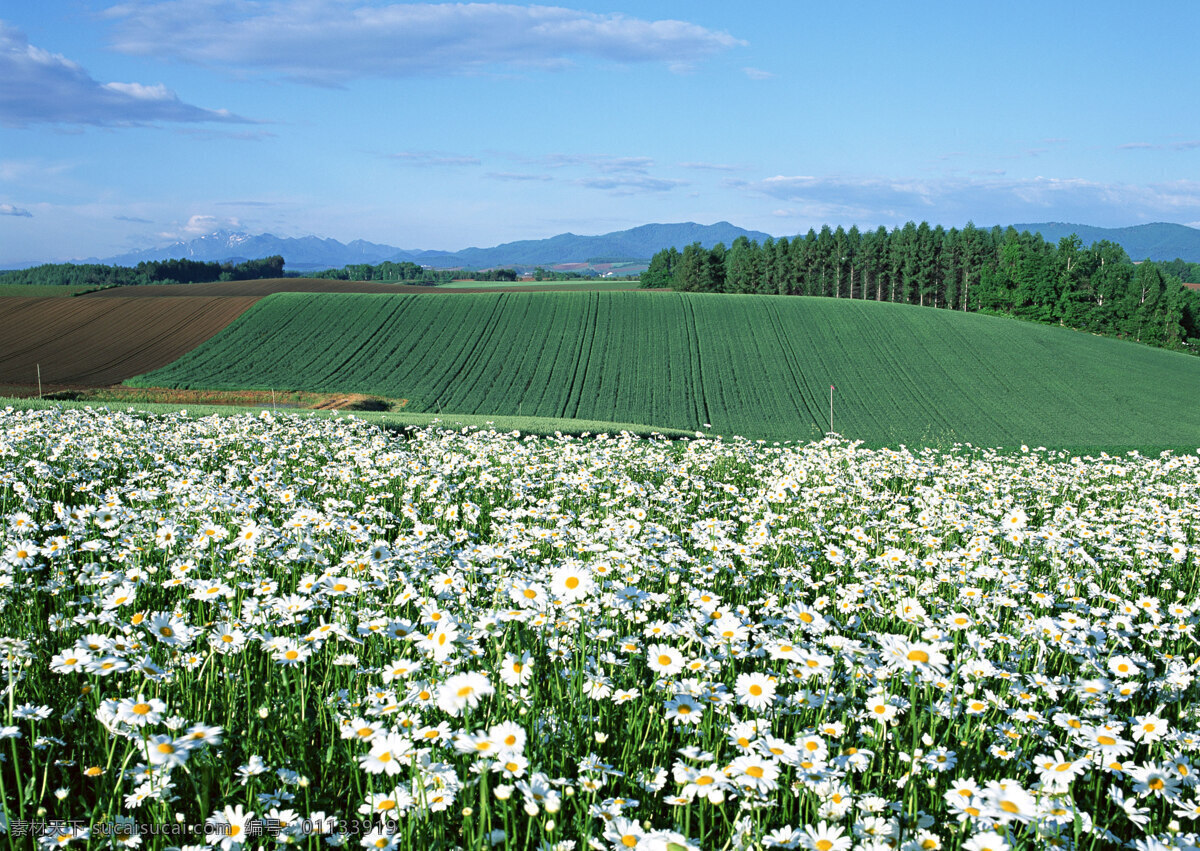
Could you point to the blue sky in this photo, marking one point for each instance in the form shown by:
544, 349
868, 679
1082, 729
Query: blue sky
443, 126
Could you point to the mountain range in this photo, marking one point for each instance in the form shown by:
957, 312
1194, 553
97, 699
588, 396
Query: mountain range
310, 253
1158, 241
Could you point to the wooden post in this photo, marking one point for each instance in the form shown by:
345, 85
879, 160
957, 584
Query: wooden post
272, 400
39, 368
830, 408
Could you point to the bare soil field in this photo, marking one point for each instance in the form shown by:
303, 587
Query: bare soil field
88, 344
92, 342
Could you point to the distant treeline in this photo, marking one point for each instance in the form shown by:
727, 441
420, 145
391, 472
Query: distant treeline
196, 272
1097, 289
149, 272
410, 273
386, 271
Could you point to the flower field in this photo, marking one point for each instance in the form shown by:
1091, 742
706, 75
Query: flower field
261, 632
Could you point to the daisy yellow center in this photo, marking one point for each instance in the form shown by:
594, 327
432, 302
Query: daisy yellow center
756, 689
465, 691
510, 740
141, 708
572, 582
530, 593
664, 660
1156, 784
1009, 807
511, 766
365, 731
292, 655
704, 780
1106, 740
918, 656
755, 771
806, 617
823, 844
166, 748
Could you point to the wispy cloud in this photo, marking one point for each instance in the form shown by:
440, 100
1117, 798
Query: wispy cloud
758, 74
603, 163
702, 166
875, 200
428, 158
10, 210
632, 185
134, 219
330, 42
517, 176
1185, 145
41, 87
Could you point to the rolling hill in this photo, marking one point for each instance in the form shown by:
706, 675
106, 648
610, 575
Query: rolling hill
757, 366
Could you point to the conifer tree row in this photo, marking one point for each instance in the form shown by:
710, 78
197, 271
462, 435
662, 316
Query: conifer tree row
1097, 289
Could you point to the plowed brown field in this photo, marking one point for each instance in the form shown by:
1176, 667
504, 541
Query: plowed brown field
91, 341
258, 289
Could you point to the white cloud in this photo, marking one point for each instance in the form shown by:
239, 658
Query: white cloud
199, 225
329, 42
47, 88
758, 74
10, 210
876, 200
